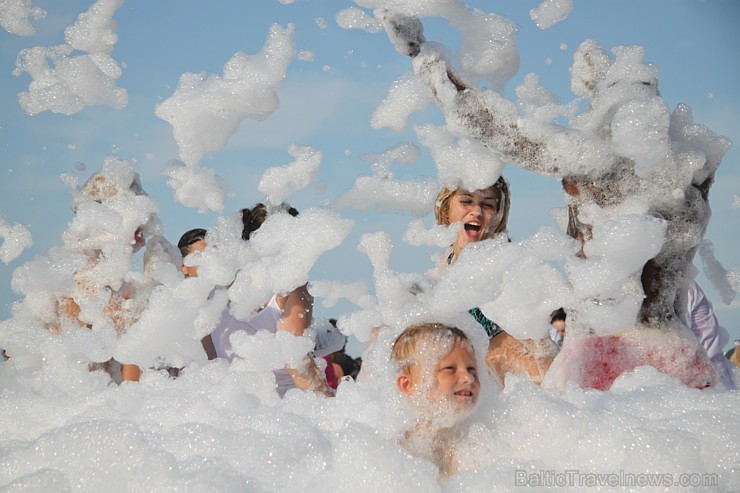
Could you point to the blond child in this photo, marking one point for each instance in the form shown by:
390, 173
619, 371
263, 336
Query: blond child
439, 375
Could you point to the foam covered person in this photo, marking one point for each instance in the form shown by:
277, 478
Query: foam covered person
484, 214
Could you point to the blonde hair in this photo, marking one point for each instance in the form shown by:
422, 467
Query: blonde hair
500, 188
405, 350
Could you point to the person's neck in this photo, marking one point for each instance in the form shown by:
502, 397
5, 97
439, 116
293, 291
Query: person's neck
456, 251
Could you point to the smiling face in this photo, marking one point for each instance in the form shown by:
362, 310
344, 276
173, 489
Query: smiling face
457, 378
450, 388
476, 211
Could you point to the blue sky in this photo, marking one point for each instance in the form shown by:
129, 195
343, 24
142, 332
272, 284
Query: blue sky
327, 103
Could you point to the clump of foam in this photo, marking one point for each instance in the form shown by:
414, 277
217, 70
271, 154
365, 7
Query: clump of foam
66, 84
306, 56
281, 253
405, 97
196, 186
550, 12
488, 47
280, 182
716, 273
330, 292
354, 18
205, 111
16, 238
383, 191
640, 132
94, 31
16, 17
460, 162
439, 235
539, 104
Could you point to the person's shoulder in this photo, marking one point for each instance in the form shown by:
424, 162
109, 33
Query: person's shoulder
299, 294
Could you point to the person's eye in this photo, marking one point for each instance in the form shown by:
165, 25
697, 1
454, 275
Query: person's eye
472, 370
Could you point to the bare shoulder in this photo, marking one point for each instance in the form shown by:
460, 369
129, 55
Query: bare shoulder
299, 295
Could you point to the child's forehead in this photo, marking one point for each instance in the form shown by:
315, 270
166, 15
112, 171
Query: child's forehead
463, 345
444, 344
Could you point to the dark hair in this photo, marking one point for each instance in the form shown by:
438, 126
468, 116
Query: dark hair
346, 362
189, 238
253, 218
558, 314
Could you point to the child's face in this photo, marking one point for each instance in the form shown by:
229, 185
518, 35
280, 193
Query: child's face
454, 381
456, 378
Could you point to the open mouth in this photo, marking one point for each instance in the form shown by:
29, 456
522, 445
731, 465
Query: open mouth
472, 229
464, 393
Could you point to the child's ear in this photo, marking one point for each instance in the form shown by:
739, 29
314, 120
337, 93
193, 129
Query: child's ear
405, 384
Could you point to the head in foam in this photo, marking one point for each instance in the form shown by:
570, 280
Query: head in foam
253, 218
483, 213
438, 371
118, 182
191, 241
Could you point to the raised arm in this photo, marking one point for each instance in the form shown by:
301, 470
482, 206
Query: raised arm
488, 117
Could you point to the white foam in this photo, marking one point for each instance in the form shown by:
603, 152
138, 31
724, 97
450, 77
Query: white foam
460, 162
354, 18
222, 427
62, 83
16, 17
550, 12
16, 238
405, 97
384, 192
280, 182
205, 111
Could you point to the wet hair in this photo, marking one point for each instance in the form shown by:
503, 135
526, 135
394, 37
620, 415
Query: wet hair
189, 238
253, 218
501, 188
558, 314
405, 350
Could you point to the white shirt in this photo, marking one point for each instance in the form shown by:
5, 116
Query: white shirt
266, 319
706, 328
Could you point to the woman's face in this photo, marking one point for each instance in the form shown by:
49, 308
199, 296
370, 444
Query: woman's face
476, 211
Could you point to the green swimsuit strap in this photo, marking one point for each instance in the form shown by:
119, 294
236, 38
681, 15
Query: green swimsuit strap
491, 327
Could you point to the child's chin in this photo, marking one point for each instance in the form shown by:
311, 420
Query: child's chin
466, 406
